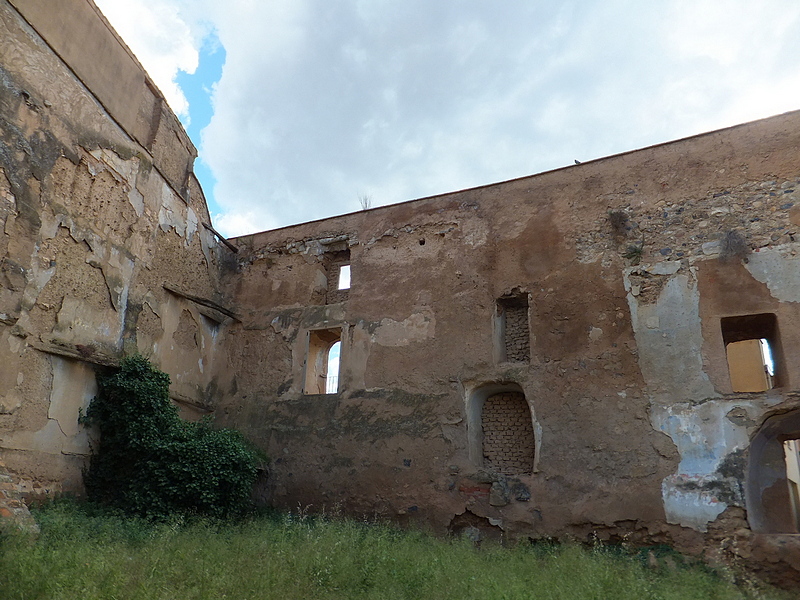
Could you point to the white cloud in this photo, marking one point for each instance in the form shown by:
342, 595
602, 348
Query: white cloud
320, 101
162, 40
236, 223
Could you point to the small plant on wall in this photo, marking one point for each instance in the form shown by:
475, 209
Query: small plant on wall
634, 253
151, 463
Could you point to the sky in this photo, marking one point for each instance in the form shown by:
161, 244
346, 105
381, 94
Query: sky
304, 109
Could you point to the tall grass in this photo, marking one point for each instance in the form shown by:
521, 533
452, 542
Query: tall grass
80, 555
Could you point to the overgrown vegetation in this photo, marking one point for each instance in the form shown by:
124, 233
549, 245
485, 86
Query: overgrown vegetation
151, 463
80, 554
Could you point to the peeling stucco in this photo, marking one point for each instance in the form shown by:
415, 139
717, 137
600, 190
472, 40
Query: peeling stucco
415, 328
625, 264
99, 215
779, 269
668, 336
705, 436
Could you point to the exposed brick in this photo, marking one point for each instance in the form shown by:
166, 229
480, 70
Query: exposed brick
508, 441
11, 504
333, 264
517, 331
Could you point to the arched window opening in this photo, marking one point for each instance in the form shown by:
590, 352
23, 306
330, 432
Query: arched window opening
773, 476
526, 433
322, 361
791, 453
502, 432
332, 372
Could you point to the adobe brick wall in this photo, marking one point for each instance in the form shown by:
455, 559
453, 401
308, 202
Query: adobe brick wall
508, 442
517, 335
619, 352
102, 246
626, 276
11, 505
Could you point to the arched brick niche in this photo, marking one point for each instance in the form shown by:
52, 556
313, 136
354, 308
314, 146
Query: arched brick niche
502, 432
770, 506
508, 440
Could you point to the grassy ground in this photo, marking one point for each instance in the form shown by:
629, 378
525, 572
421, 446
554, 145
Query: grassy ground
83, 556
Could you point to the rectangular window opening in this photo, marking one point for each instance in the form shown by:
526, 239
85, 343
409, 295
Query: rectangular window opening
323, 362
337, 267
344, 277
753, 352
514, 327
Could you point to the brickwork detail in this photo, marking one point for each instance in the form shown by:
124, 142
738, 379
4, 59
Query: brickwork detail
11, 505
508, 441
517, 336
333, 264
335, 295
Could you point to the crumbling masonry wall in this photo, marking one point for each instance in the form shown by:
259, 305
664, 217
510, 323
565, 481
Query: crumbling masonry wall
597, 293
628, 271
102, 245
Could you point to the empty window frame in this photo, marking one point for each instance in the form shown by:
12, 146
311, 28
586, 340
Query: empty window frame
337, 266
323, 361
344, 277
753, 352
514, 329
791, 454
332, 374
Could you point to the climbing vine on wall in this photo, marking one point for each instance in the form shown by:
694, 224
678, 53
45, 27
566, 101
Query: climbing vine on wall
150, 462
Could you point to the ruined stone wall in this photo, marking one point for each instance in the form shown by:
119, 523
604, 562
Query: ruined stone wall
629, 264
103, 250
604, 294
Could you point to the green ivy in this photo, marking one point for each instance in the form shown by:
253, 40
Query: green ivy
149, 462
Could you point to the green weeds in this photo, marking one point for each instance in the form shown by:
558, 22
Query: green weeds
90, 555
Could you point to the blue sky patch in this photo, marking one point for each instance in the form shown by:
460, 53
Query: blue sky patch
198, 88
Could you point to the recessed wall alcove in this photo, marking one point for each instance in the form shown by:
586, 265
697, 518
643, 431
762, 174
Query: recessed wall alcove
772, 502
502, 432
